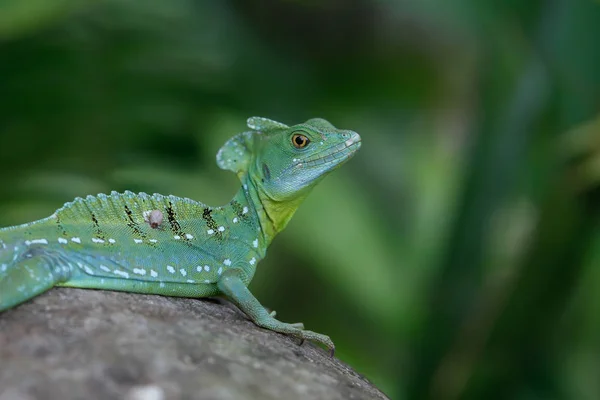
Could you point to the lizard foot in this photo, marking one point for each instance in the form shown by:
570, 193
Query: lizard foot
296, 330
318, 338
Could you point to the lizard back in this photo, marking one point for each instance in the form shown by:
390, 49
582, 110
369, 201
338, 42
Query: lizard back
149, 238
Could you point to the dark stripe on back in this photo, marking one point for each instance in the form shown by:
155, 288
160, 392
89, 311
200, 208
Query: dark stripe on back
172, 217
210, 222
132, 224
237, 209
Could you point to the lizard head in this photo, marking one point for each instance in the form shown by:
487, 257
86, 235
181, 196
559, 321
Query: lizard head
285, 162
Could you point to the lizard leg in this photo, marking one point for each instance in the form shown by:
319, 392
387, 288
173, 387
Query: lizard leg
28, 274
232, 286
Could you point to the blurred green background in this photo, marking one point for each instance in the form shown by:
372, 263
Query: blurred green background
456, 256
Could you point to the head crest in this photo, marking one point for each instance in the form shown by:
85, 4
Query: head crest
236, 153
264, 124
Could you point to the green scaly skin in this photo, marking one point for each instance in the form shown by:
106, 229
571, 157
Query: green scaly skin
175, 246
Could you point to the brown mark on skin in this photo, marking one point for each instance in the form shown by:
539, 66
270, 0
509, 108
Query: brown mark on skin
155, 219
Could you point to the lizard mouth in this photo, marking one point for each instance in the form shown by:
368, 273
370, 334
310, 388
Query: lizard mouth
336, 155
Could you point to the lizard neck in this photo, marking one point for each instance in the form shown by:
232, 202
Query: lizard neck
246, 202
272, 216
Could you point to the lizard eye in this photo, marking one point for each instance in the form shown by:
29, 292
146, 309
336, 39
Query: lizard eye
300, 141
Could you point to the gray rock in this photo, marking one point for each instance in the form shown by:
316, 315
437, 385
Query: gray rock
87, 344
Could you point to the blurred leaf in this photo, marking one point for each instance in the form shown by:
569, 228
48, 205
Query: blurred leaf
19, 17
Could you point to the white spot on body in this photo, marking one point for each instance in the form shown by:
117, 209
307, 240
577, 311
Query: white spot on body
176, 237
62, 241
235, 220
207, 268
191, 281
183, 272
221, 229
227, 262
162, 284
153, 273
96, 240
210, 231
188, 236
88, 270
207, 281
153, 240
138, 241
252, 261
104, 268
139, 271
245, 210
255, 243
121, 273
220, 271
3, 267
36, 241
112, 241
76, 240
170, 269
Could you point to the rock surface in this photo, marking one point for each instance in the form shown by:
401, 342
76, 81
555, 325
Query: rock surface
86, 344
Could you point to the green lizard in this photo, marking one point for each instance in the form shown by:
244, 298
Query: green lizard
175, 246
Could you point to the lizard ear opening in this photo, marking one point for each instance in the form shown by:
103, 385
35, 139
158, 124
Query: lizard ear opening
236, 153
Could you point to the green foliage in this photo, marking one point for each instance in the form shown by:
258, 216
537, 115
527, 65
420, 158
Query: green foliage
456, 256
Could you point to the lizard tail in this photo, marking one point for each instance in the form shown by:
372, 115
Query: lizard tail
27, 271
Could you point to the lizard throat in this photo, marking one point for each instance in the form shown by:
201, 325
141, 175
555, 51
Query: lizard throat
273, 215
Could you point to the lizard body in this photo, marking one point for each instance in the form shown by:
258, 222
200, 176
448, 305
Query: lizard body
176, 246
